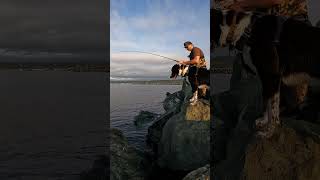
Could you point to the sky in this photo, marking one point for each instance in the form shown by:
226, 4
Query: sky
159, 27
54, 30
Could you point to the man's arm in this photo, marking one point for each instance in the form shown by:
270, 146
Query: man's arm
195, 60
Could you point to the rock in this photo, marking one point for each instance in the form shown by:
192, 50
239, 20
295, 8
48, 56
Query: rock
199, 111
99, 169
184, 144
144, 117
289, 154
155, 133
202, 173
125, 160
179, 139
292, 153
173, 101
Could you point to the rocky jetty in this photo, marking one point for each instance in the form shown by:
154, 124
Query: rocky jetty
179, 140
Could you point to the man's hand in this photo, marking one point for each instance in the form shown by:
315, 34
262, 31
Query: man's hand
181, 62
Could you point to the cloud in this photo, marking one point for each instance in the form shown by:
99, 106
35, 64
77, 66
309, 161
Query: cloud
156, 26
140, 65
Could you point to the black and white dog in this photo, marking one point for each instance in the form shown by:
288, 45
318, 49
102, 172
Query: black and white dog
203, 79
179, 70
282, 51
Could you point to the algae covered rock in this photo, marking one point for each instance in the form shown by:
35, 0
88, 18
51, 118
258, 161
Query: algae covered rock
173, 101
125, 162
289, 154
184, 144
144, 117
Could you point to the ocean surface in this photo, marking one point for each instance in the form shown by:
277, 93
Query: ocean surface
53, 124
127, 100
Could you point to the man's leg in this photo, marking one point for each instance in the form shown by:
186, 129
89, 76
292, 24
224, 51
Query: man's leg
193, 82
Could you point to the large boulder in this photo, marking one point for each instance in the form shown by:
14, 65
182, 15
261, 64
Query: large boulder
173, 101
125, 161
184, 143
292, 153
179, 139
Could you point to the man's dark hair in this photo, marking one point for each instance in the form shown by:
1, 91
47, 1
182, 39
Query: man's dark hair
187, 43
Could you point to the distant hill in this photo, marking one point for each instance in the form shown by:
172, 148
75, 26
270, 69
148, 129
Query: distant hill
153, 82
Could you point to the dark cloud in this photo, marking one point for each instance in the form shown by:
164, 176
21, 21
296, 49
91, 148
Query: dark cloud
67, 25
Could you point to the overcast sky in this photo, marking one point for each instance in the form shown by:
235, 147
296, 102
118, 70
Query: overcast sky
39, 26
155, 26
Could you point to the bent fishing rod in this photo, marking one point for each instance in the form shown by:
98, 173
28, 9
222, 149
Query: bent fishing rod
153, 54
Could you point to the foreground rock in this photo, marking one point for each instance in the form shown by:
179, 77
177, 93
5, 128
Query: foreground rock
99, 169
289, 154
144, 117
202, 173
125, 160
179, 139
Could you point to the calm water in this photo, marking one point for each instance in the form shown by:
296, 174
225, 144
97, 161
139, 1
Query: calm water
127, 100
53, 124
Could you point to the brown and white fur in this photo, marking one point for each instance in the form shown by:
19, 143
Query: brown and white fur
291, 61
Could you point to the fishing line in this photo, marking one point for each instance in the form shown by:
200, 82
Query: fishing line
153, 54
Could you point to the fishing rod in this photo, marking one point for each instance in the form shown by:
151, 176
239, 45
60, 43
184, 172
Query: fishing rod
153, 54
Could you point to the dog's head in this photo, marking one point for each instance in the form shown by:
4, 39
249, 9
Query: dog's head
203, 90
227, 26
178, 70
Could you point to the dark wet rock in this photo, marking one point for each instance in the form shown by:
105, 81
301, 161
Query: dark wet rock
202, 173
173, 101
184, 144
155, 133
144, 117
125, 163
292, 153
99, 170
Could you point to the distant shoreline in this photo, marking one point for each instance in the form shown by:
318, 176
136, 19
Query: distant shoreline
150, 82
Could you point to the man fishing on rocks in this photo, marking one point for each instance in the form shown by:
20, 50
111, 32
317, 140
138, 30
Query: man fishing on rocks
196, 62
